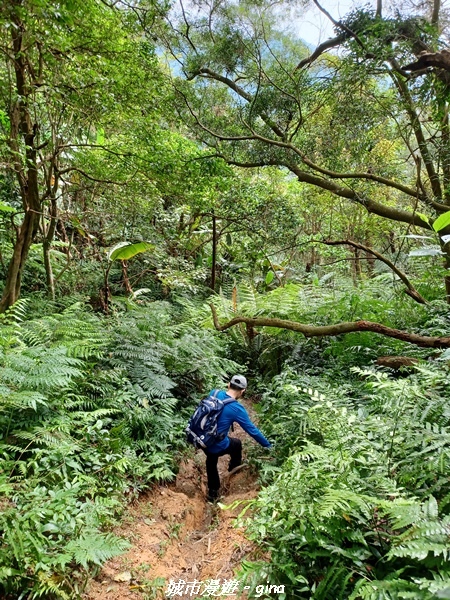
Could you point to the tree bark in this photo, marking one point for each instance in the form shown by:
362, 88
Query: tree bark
26, 233
332, 330
125, 278
435, 13
214, 253
356, 266
46, 247
433, 193
379, 8
22, 129
370, 264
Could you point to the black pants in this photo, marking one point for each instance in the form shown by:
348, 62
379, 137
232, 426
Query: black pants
235, 452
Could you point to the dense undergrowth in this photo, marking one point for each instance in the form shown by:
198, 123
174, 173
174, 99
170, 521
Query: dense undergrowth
356, 504
92, 412
355, 500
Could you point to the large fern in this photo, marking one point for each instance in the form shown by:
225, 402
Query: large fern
362, 496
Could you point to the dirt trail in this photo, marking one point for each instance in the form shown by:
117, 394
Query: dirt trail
176, 535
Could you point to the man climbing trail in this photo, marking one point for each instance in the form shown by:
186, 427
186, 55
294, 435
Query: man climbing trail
232, 412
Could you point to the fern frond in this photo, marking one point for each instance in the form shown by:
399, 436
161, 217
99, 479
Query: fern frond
96, 548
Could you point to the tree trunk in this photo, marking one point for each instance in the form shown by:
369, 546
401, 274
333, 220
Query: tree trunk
370, 260
435, 12
214, 253
447, 279
357, 266
445, 248
26, 233
379, 8
125, 278
48, 269
46, 247
22, 131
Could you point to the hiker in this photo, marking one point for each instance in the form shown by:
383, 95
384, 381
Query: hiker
233, 412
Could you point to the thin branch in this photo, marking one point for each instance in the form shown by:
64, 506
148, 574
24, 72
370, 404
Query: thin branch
411, 291
187, 29
382, 210
289, 146
340, 25
331, 43
84, 174
123, 154
336, 175
417, 128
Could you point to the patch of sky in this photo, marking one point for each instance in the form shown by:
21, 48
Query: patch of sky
311, 25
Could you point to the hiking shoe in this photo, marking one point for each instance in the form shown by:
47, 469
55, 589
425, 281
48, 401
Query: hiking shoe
213, 497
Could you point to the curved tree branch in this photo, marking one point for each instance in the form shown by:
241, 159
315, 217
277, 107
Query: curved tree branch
87, 176
426, 60
331, 43
372, 206
419, 134
411, 291
340, 24
376, 208
424, 341
328, 184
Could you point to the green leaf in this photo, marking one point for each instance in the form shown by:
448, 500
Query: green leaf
125, 250
269, 277
4, 119
100, 136
51, 527
442, 221
6, 208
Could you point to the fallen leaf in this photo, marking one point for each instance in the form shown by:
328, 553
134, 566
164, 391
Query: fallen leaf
123, 577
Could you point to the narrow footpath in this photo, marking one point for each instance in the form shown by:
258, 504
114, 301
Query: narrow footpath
176, 535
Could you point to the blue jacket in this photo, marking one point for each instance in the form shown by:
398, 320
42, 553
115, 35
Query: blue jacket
235, 413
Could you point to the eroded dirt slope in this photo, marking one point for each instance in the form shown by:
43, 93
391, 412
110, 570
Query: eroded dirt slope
176, 535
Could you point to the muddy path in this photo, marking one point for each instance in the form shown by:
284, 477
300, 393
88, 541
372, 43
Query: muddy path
176, 535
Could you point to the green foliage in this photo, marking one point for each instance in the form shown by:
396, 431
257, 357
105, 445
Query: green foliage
442, 221
357, 505
373, 300
91, 412
125, 250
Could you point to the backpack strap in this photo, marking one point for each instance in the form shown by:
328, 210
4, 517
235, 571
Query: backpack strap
229, 400
214, 394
